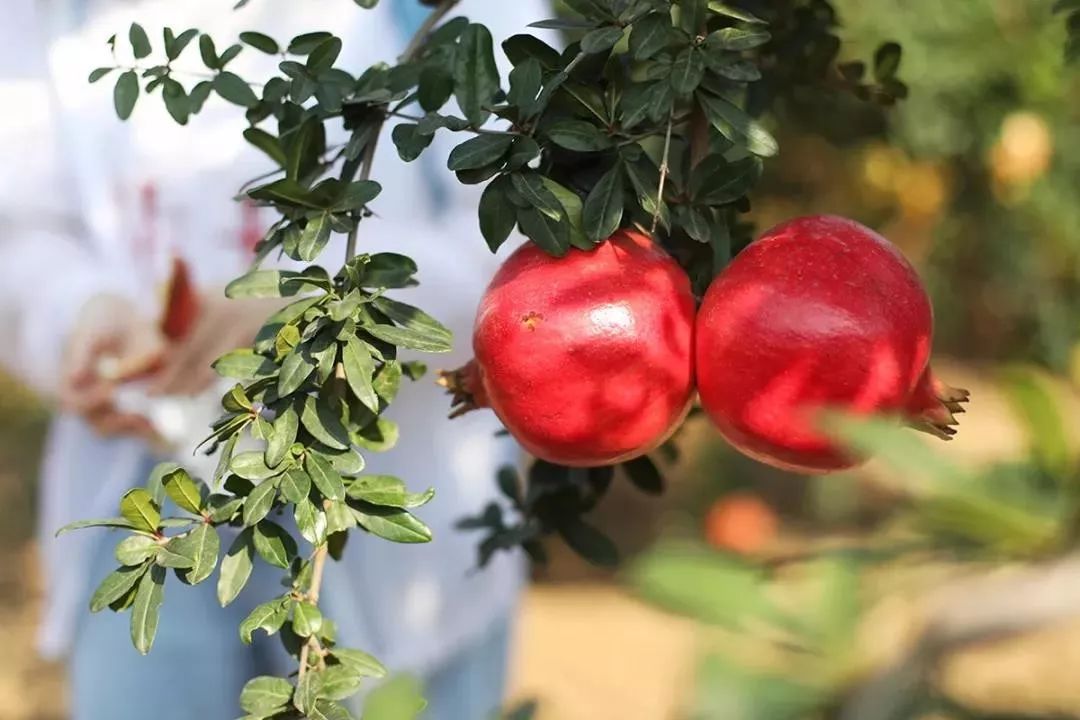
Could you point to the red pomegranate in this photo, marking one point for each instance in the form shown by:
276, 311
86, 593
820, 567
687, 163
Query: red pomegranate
818, 312
587, 359
181, 302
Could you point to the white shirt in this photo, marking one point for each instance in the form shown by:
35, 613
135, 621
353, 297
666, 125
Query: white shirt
72, 217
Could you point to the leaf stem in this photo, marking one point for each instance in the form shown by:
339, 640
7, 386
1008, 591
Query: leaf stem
663, 170
478, 131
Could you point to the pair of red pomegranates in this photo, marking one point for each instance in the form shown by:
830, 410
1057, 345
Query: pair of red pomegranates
593, 358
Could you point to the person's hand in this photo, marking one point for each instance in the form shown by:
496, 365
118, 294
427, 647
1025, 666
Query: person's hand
111, 342
222, 325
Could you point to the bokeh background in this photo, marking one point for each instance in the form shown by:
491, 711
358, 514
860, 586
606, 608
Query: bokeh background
976, 175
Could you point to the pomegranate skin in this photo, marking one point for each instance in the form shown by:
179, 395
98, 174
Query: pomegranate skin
818, 312
587, 359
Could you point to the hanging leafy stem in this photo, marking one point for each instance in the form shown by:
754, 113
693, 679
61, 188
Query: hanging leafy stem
644, 119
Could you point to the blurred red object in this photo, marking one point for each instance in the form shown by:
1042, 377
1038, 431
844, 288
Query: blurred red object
181, 302
740, 522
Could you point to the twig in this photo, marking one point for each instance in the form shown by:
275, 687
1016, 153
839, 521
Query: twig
425, 29
478, 131
663, 170
318, 563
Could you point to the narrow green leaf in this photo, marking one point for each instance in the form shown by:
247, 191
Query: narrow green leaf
738, 127
887, 61
497, 214
183, 490
643, 472
601, 39
99, 73
140, 43
115, 585
244, 364
295, 370
479, 151
146, 611
113, 523
264, 284
323, 423
274, 544
409, 338
590, 543
324, 55
263, 43
413, 318
552, 235
324, 476
603, 209
387, 491
737, 39
476, 77
395, 525
236, 567
266, 142
259, 502
724, 9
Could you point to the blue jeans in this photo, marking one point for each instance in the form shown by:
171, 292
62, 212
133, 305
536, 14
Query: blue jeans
198, 664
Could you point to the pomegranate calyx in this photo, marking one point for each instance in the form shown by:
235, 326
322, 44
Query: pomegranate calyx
934, 409
464, 387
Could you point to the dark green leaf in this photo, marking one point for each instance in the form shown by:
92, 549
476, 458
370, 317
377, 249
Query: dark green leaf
233, 88
263, 284
201, 545
589, 542
738, 70
274, 544
693, 15
263, 43
146, 610
476, 78
183, 490
413, 318
603, 209
887, 61
687, 71
550, 235
643, 472
525, 149
244, 364
650, 35
531, 187
139, 509
571, 205
497, 213
324, 55
176, 101
208, 52
738, 127
305, 43
125, 93
267, 143
223, 508
562, 24
435, 88
601, 39
115, 585
269, 616
409, 338
295, 485
731, 38
175, 45
319, 420
359, 369
357, 195
409, 142
526, 80
140, 43
259, 502
737, 13
100, 73
230, 53
295, 370
262, 696
326, 479
283, 436
393, 524
310, 521
389, 270
236, 568
521, 48
198, 96
479, 151
578, 135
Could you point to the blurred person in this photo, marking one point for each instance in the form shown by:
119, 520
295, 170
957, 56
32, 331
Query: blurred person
91, 208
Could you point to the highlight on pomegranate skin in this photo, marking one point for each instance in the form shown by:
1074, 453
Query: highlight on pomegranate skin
819, 312
587, 359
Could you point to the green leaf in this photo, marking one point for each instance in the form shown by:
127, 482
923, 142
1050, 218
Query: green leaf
522, 48
295, 370
99, 73
887, 61
263, 43
531, 187
1035, 405
357, 194
324, 55
281, 439
736, 69
266, 142
295, 485
339, 682
359, 369
207, 52
263, 284
236, 567
389, 270
396, 699
603, 209
650, 35
314, 236
305, 43
359, 662
146, 611
265, 695
409, 338
274, 544
738, 127
393, 524
223, 508
409, 142
139, 509
436, 85
135, 550
324, 424
339, 518
693, 15
571, 204
310, 521
578, 135
476, 77
589, 543
235, 89
244, 364
324, 476
140, 43
387, 491
201, 545
412, 317
269, 616
259, 502
601, 39
737, 39
252, 466
526, 80
113, 523
176, 101
643, 472
723, 9
687, 71
183, 490
479, 151
125, 93
497, 214
380, 436
550, 235
307, 620
115, 585
715, 181
524, 151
